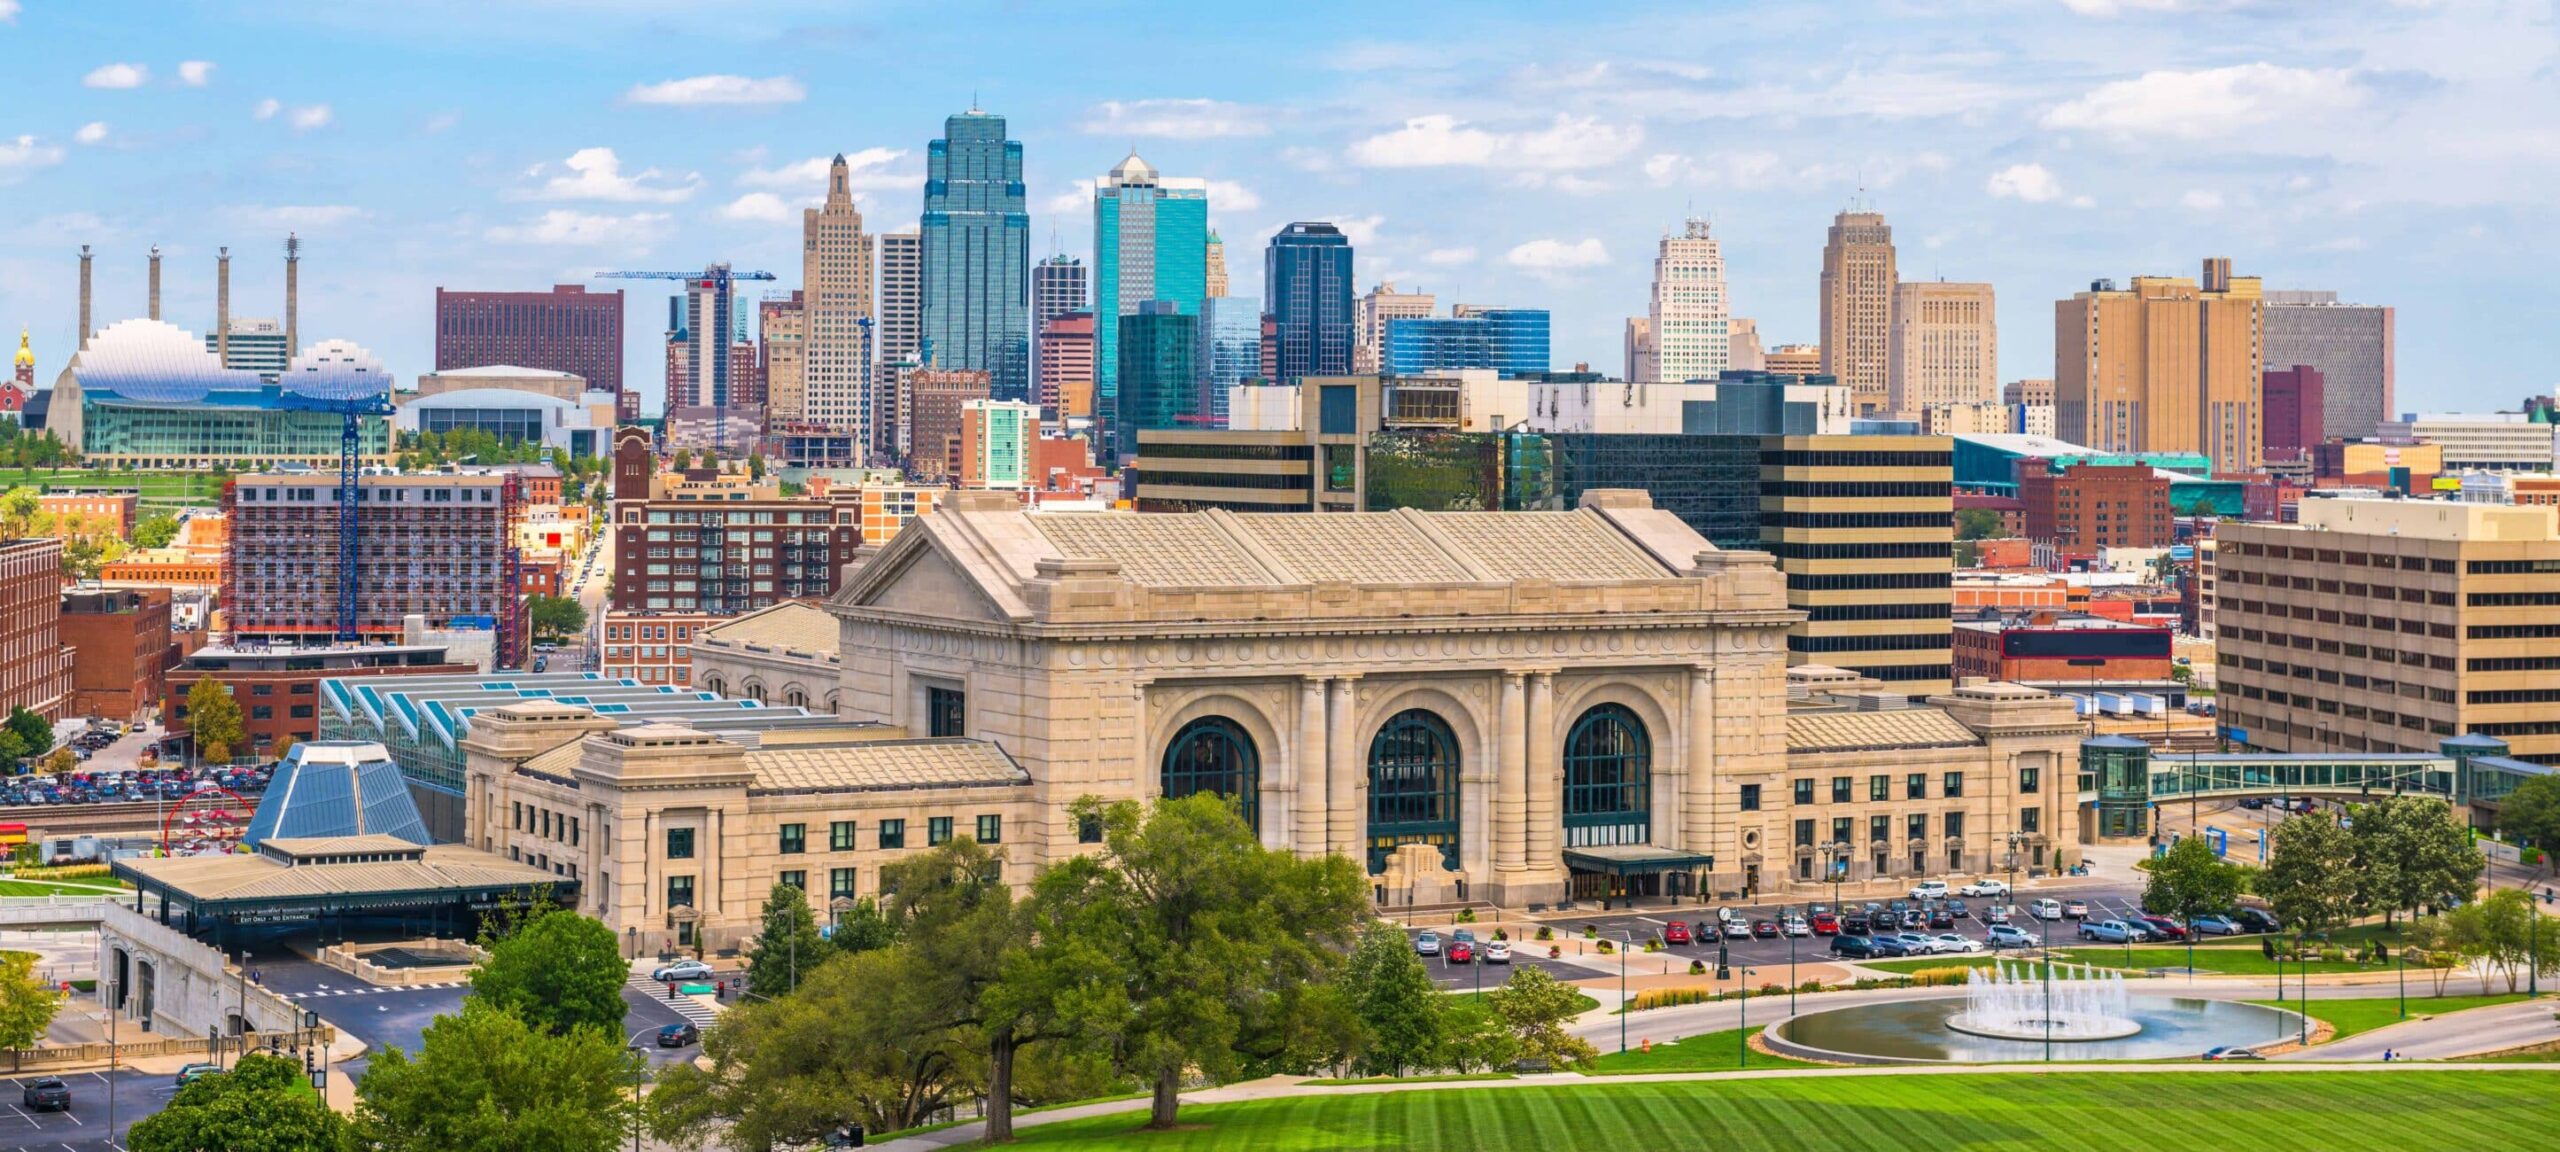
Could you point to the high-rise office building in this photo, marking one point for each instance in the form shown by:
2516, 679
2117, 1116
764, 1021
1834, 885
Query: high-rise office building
1945, 348
782, 332
933, 404
1691, 337
1058, 286
1306, 282
835, 270
977, 253
1520, 337
1160, 385
2352, 345
1858, 282
1742, 336
1792, 360
567, 329
1639, 351
2294, 400
1066, 366
2168, 365
1511, 341
900, 327
1217, 264
1230, 348
1865, 533
998, 439
1150, 245
705, 331
255, 346
1376, 308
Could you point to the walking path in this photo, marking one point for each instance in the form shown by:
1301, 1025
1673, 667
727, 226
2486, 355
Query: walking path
2474, 1032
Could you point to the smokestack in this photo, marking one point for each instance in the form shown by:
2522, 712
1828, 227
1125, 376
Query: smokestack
222, 309
292, 296
155, 281
84, 296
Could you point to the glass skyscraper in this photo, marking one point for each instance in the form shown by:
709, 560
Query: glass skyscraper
976, 240
1511, 341
1150, 243
1230, 348
1159, 383
1306, 278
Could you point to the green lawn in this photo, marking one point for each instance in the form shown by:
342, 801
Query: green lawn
2233, 959
99, 886
1711, 1052
155, 487
1917, 963
2082, 1112
2352, 1016
1444, 1078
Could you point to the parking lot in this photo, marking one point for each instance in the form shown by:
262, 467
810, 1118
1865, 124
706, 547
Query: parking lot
82, 1128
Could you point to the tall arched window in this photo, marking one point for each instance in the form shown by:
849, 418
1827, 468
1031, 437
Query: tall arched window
1608, 779
1413, 787
1213, 754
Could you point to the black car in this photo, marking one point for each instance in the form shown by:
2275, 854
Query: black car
47, 1095
2258, 920
1855, 924
678, 1035
1859, 947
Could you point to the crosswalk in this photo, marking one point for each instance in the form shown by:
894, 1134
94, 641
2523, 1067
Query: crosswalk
324, 992
691, 1008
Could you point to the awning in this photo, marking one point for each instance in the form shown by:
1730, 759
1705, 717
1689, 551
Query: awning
1634, 859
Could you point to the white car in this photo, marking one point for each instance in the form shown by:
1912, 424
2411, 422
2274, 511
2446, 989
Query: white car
1929, 890
2047, 909
1796, 926
1951, 942
1985, 888
1498, 952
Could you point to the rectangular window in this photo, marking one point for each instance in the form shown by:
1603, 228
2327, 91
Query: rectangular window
840, 836
1839, 789
1750, 797
1879, 788
799, 880
946, 712
1916, 827
518, 809
2029, 819
1804, 791
1088, 829
679, 891
1955, 785
1879, 828
893, 833
1839, 829
1915, 786
1804, 833
679, 843
937, 830
795, 839
839, 883
2029, 779
1955, 825
990, 829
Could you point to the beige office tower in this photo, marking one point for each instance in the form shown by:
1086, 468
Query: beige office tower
782, 328
1858, 281
1369, 323
1692, 339
2164, 366
1217, 265
835, 275
1743, 340
1945, 348
1792, 360
899, 333
1640, 364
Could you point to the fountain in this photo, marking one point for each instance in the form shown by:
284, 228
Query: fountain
2063, 1005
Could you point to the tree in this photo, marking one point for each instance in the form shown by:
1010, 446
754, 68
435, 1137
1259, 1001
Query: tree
2410, 851
61, 760
214, 717
158, 530
27, 1002
1204, 945
33, 730
1979, 524
1535, 1007
557, 970
1399, 1008
2189, 881
19, 509
555, 617
684, 459
1474, 1039
755, 466
2497, 933
789, 945
2310, 876
263, 1104
2433, 943
863, 928
487, 1081
2531, 815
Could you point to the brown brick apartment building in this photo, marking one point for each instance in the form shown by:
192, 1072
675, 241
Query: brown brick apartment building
434, 544
35, 664
121, 636
2096, 505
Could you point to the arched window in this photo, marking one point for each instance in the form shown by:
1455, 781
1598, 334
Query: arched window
1413, 787
714, 685
1213, 754
794, 697
1608, 779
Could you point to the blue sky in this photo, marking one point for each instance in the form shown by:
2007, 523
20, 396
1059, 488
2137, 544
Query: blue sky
1530, 154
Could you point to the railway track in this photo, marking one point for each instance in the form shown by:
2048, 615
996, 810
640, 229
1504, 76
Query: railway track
57, 820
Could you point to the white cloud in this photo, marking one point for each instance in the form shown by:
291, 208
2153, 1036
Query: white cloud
1557, 255
566, 227
440, 122
309, 116
295, 217
759, 207
267, 109
1077, 198
2202, 200
195, 73
27, 153
2029, 182
1444, 257
91, 132
117, 76
1445, 141
8, 11
696, 90
1362, 230
596, 174
2211, 102
1175, 119
1229, 196
866, 169
2113, 8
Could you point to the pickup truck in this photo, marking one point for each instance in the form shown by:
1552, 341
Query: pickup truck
2108, 931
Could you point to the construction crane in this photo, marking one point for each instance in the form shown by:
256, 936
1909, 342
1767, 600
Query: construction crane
352, 391
716, 279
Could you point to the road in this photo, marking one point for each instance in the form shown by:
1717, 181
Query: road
2496, 1028
84, 1126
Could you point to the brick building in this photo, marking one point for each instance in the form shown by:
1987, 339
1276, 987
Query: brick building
2055, 650
35, 663
932, 409
2096, 505
81, 513
566, 329
123, 641
437, 545
2294, 409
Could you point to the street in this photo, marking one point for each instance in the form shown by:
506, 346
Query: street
83, 1127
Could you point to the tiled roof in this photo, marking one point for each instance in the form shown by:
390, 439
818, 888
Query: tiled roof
884, 764
1892, 728
1158, 550
1353, 547
1221, 549
1546, 546
797, 625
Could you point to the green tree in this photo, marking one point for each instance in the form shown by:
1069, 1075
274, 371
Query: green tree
214, 717
1474, 1039
27, 1003
157, 530
789, 945
755, 466
683, 459
263, 1104
2497, 933
487, 1081
33, 730
2433, 943
557, 970
1399, 1008
1979, 524
2530, 815
1535, 1007
555, 617
2189, 881
863, 928
2310, 876
2410, 851
20, 508
1205, 945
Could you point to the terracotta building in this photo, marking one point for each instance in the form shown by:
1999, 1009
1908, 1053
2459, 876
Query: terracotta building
122, 638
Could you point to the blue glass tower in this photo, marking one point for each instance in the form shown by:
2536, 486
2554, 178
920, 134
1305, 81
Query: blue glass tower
1159, 382
976, 240
1231, 348
1511, 341
1306, 278
1150, 243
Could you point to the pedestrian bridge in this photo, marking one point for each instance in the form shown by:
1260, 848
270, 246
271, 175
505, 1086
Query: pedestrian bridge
18, 912
2119, 772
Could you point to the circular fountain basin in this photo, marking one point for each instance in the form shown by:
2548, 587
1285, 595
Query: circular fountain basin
2071, 1029
1926, 1031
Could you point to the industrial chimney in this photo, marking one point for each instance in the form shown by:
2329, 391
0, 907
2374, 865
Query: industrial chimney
292, 296
84, 296
222, 309
155, 281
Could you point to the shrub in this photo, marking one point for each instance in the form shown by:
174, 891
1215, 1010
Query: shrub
1466, 915
1771, 990
1810, 986
1940, 977
1605, 948
1653, 945
1697, 967
1499, 934
1555, 951
1590, 931
1546, 933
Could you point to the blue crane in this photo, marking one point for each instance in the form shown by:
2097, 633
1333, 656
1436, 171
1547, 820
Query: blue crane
352, 391
716, 278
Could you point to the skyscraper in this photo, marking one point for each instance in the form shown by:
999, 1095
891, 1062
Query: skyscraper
976, 238
782, 334
1066, 366
2165, 366
1231, 348
1690, 337
567, 329
1511, 341
1306, 282
1858, 282
1150, 244
835, 270
2352, 346
1217, 262
1945, 348
1158, 373
1369, 327
900, 329
1057, 289
1639, 351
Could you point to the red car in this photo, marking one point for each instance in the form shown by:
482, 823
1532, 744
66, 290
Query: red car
2165, 928
1675, 933
1825, 924
1764, 929
1461, 952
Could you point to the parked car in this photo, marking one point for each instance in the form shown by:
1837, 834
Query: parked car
1427, 944
1958, 943
1675, 933
1929, 890
2231, 1052
1855, 947
2259, 920
2047, 909
1825, 924
2075, 909
1985, 888
2004, 936
1737, 929
48, 1094
1999, 913
2164, 927
1914, 918
2217, 926
1957, 909
1498, 952
1856, 924
1916, 943
2253, 803
1795, 926
678, 1035
191, 1073
2108, 931
1941, 917
681, 971
1890, 944
1460, 952
1764, 929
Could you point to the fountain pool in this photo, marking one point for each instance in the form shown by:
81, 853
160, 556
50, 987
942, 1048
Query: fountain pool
2005, 1015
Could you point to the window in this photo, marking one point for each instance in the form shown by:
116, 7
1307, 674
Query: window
1750, 797
1955, 825
990, 829
1088, 829
937, 831
1804, 833
2029, 779
1915, 827
1804, 791
1879, 828
1413, 787
2029, 819
799, 880
1840, 829
679, 843
1955, 785
840, 836
893, 833
839, 884
679, 891
518, 810
1839, 789
1214, 754
795, 839
946, 712
1879, 788
1915, 786
1608, 779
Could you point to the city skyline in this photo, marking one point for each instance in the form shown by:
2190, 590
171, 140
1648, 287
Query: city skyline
2293, 144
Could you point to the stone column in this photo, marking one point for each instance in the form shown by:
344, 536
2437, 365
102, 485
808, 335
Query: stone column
1346, 783
1511, 787
1698, 795
1544, 776
1311, 796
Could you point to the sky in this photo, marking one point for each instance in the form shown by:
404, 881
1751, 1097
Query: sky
1525, 154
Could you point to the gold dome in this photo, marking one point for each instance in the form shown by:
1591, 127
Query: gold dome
26, 356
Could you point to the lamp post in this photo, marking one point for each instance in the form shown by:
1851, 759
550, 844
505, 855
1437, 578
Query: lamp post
2403, 957
2045, 926
1742, 1033
2302, 989
1791, 970
1627, 935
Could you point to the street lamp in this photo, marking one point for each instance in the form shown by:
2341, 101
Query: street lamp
1835, 856
1742, 1033
1627, 935
2045, 926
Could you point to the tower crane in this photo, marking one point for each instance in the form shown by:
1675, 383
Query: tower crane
716, 279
